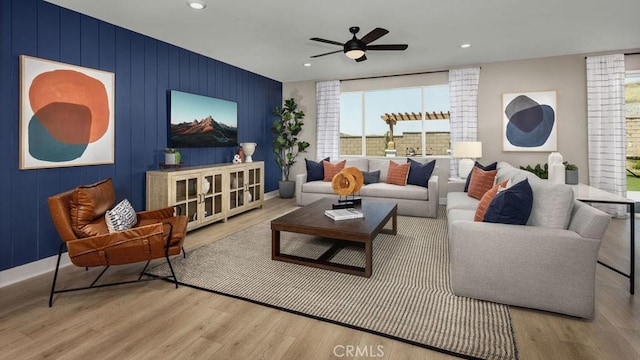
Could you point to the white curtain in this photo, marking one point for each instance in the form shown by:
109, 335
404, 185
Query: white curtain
606, 126
463, 94
328, 119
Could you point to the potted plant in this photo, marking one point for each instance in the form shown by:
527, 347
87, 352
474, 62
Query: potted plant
571, 173
171, 156
286, 144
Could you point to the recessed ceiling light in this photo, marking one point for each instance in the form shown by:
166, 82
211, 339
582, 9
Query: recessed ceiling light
197, 4
307, 64
464, 46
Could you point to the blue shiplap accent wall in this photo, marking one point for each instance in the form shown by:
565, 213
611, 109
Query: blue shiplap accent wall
145, 68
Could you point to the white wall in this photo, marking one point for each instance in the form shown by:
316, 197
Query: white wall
564, 74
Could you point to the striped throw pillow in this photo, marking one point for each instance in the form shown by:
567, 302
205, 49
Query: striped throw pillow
486, 200
481, 181
398, 173
331, 169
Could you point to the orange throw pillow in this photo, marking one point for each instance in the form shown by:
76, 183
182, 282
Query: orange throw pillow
486, 200
331, 169
481, 181
398, 173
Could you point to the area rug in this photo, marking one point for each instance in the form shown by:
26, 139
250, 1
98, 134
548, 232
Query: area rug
408, 297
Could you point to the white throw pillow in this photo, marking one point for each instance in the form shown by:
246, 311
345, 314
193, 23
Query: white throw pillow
552, 205
121, 217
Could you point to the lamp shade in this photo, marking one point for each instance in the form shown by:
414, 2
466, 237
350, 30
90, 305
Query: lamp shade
467, 149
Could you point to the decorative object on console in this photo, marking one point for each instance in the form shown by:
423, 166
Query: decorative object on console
240, 153
530, 122
466, 151
172, 156
286, 144
248, 149
236, 159
66, 115
571, 173
556, 168
347, 183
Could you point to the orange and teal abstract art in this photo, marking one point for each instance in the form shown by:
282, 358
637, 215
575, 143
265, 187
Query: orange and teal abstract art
66, 115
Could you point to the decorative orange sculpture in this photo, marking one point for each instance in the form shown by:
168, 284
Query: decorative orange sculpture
347, 181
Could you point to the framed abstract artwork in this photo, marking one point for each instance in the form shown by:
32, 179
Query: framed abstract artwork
66, 115
529, 121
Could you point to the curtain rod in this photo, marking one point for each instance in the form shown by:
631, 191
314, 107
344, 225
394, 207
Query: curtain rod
386, 76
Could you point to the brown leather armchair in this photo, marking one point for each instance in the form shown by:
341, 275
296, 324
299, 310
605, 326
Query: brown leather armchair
79, 217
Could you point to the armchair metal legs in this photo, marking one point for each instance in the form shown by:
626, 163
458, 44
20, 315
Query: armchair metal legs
93, 284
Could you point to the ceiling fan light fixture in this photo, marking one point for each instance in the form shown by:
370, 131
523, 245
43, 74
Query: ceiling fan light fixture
354, 54
197, 4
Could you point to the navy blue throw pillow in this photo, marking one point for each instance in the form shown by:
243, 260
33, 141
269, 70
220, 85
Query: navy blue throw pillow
419, 173
492, 166
315, 169
512, 205
371, 177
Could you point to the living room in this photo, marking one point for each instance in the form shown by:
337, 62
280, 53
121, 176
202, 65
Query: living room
145, 68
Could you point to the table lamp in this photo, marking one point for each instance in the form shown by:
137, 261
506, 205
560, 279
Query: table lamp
467, 151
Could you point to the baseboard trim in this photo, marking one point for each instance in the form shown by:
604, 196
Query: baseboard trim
32, 269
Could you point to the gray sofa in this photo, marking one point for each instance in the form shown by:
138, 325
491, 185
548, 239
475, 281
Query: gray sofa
412, 200
548, 264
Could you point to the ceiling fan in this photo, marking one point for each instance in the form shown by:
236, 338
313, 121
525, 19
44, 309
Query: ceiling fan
356, 48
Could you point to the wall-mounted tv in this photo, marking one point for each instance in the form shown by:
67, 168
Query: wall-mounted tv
201, 121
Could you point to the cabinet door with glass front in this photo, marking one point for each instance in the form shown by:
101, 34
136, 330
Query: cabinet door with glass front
236, 188
212, 196
186, 197
255, 178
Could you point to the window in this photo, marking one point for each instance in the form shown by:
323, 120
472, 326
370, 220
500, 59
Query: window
416, 117
632, 109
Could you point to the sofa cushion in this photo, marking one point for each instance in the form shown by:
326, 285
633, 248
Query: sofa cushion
460, 200
319, 187
385, 190
552, 205
371, 177
492, 166
398, 173
486, 200
121, 217
511, 205
88, 203
481, 181
382, 165
361, 163
331, 169
419, 173
315, 169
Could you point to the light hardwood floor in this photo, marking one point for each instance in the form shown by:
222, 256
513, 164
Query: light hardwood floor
153, 320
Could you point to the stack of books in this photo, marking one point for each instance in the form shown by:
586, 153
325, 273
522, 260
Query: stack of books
344, 214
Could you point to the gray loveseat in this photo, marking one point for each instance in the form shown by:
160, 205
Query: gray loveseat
548, 264
412, 200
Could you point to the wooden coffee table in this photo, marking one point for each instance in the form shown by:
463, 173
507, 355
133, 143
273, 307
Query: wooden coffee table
312, 221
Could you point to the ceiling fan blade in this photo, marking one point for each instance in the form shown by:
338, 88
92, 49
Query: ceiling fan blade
327, 41
388, 47
361, 58
374, 34
329, 53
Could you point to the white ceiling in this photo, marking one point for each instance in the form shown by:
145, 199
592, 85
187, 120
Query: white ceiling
271, 38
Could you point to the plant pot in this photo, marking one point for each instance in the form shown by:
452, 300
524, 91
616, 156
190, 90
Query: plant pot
170, 158
571, 177
287, 189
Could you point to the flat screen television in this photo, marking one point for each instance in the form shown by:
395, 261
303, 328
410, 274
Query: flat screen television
201, 121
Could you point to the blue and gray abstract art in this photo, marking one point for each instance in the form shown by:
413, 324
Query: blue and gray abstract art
530, 123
